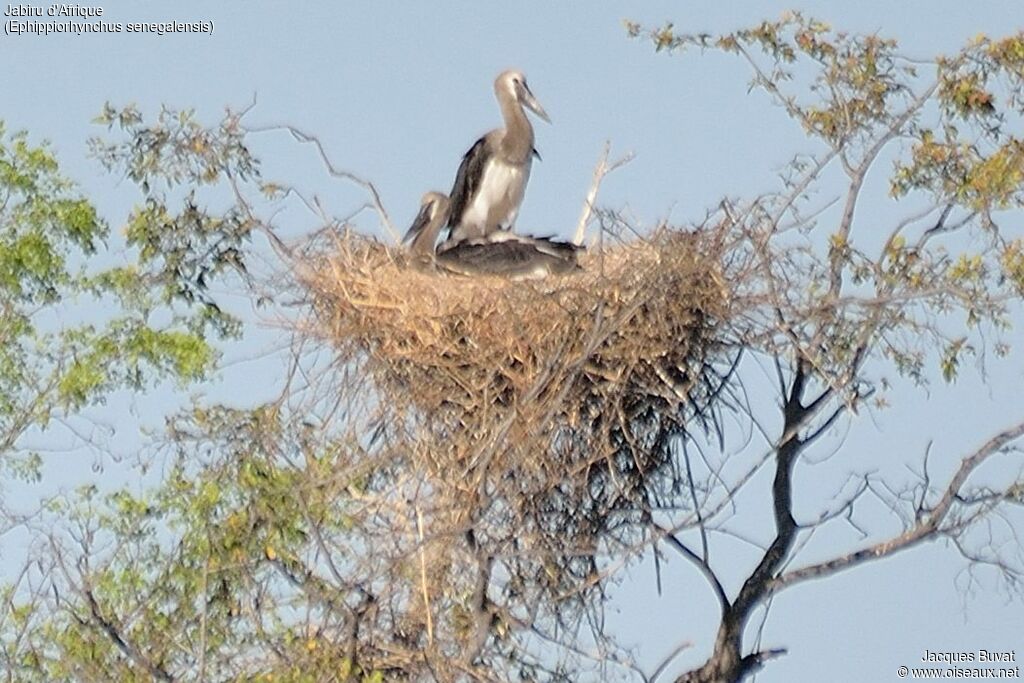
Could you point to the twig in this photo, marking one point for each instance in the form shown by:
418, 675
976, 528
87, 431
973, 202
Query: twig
423, 577
308, 138
668, 660
602, 169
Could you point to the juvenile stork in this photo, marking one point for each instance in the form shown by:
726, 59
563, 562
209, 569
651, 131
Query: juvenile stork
501, 253
434, 210
491, 180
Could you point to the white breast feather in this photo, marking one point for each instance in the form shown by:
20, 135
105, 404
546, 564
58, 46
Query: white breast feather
501, 183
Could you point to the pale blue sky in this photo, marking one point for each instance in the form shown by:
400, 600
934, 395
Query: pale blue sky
397, 92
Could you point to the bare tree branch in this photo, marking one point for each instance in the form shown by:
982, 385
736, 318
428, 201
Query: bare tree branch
602, 169
927, 528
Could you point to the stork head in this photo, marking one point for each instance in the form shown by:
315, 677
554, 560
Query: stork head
437, 204
433, 214
512, 85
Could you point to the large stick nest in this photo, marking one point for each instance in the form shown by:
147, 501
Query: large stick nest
564, 398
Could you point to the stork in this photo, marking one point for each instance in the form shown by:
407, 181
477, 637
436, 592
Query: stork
501, 253
491, 179
422, 234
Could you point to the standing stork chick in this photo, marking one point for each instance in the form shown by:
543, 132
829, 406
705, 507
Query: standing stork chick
492, 177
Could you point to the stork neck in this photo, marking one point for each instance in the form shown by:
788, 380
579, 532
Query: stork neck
517, 144
423, 244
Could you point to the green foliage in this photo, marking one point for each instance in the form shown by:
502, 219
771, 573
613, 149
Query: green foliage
41, 224
1012, 262
182, 250
861, 80
71, 331
121, 354
951, 125
856, 76
218, 559
175, 149
49, 235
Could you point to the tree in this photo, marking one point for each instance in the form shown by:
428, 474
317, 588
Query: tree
432, 497
905, 294
51, 260
80, 323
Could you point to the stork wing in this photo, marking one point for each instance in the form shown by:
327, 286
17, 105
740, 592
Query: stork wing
467, 182
511, 257
544, 245
556, 248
